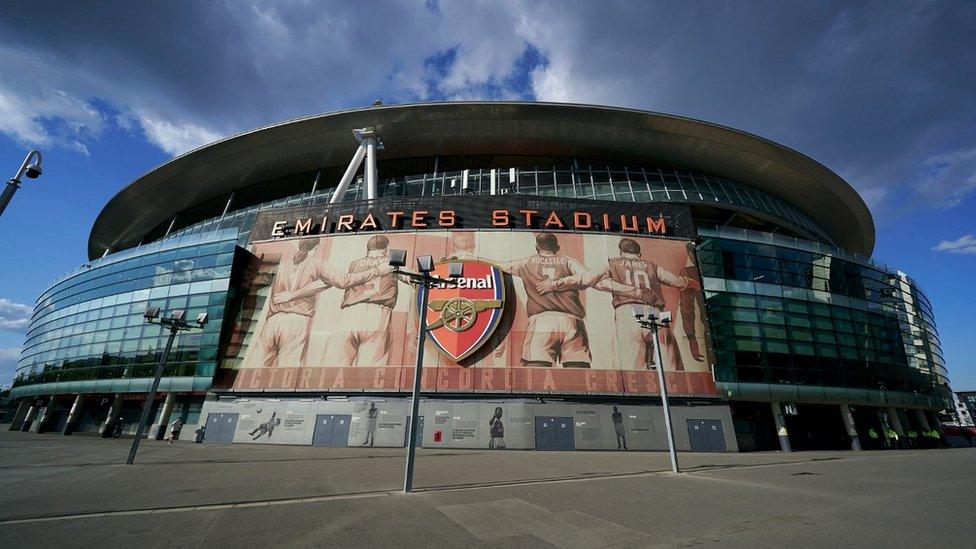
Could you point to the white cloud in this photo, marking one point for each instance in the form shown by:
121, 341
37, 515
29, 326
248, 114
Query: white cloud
8, 364
176, 138
965, 245
14, 316
49, 118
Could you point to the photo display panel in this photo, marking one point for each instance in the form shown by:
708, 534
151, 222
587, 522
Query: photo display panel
537, 311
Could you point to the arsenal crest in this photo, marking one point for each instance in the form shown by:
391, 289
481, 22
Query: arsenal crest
461, 318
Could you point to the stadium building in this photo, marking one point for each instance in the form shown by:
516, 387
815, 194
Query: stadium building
785, 335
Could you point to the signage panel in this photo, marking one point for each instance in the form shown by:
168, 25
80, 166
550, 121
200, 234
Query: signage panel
476, 212
543, 312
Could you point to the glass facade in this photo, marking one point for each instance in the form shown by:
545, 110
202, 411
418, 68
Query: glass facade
600, 182
88, 331
785, 311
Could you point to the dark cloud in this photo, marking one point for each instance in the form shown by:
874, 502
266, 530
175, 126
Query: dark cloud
881, 92
873, 90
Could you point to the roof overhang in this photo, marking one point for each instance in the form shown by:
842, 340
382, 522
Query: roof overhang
479, 128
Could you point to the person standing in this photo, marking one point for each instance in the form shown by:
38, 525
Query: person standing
371, 424
873, 435
496, 430
618, 427
174, 430
892, 438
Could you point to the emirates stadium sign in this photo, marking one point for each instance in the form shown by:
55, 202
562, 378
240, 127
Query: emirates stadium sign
462, 317
512, 212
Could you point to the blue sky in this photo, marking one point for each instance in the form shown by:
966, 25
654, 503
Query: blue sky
880, 92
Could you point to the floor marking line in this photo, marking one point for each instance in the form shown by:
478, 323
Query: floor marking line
188, 508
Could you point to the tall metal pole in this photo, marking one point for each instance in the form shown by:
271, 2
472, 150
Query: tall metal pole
8, 193
664, 400
415, 399
33, 170
173, 330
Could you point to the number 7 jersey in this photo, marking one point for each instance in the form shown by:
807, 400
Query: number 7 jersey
539, 267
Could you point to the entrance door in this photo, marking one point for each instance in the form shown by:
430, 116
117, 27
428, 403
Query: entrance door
697, 435
817, 427
214, 424
340, 430
221, 427
715, 434
58, 421
564, 433
331, 430
554, 433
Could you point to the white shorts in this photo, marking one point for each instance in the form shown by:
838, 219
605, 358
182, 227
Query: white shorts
283, 340
553, 337
361, 336
635, 344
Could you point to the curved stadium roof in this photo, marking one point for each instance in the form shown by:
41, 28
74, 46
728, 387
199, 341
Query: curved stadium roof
479, 128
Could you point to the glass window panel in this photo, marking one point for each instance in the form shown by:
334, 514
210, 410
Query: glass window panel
745, 344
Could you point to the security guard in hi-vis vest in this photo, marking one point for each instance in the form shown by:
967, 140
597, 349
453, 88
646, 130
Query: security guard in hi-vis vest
635, 281
366, 311
297, 281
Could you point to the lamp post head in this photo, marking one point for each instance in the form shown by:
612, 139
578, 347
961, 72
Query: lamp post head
202, 319
398, 259
455, 270
151, 314
639, 312
33, 171
425, 263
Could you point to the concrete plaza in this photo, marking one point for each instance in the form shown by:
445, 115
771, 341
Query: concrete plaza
76, 492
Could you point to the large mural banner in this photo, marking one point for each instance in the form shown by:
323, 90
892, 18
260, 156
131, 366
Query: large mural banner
535, 312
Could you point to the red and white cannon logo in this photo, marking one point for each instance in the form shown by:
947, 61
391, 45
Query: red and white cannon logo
462, 317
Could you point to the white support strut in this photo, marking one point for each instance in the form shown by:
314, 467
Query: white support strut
370, 143
357, 160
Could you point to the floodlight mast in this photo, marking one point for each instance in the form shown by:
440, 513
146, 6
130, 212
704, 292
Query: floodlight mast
176, 323
651, 320
424, 281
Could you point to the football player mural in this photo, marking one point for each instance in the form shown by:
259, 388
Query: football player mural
534, 312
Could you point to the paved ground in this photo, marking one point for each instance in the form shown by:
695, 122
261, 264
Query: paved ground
74, 492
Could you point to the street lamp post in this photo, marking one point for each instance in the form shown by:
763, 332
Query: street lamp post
176, 323
650, 320
31, 167
424, 280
